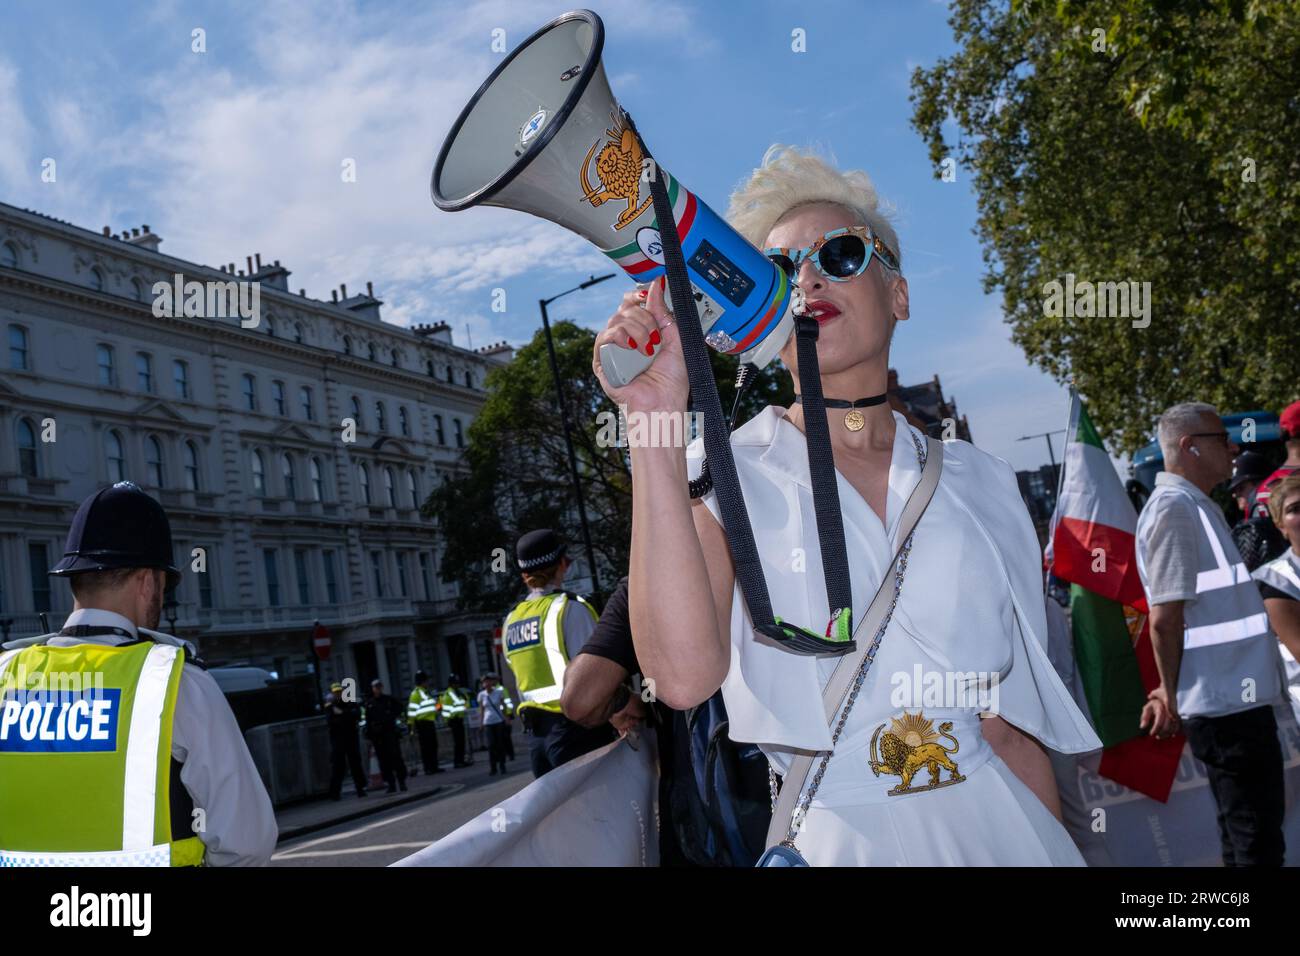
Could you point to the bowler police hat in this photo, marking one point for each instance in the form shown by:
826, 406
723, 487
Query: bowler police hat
119, 527
539, 549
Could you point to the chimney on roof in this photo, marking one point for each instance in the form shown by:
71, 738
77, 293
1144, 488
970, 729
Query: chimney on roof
249, 260
370, 288
135, 233
334, 295
258, 257
145, 227
108, 231
302, 292
343, 287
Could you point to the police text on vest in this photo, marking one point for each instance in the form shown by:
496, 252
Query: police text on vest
42, 721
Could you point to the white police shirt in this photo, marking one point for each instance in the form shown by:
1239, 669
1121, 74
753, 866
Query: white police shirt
971, 610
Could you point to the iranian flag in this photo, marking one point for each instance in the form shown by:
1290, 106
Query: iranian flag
1093, 548
1092, 533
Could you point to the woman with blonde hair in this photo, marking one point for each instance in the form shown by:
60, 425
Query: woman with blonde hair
911, 775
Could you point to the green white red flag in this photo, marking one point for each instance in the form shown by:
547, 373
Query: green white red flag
1093, 548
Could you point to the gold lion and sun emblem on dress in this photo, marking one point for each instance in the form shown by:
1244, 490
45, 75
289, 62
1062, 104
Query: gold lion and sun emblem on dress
618, 167
911, 745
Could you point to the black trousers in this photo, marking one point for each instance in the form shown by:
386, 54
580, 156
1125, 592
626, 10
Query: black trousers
391, 765
345, 756
498, 734
1243, 758
457, 725
428, 735
553, 739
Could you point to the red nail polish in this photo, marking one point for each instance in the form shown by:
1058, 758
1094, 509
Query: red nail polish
654, 337
631, 342
649, 350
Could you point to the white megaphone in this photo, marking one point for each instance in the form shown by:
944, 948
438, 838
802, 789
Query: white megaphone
545, 135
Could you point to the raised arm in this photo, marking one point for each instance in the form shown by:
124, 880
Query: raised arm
680, 574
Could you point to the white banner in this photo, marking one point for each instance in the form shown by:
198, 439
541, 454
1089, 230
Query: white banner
1115, 826
601, 809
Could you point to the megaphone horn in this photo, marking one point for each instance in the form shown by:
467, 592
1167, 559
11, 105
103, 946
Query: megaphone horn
532, 138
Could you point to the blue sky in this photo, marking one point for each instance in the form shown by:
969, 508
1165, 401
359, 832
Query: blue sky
239, 150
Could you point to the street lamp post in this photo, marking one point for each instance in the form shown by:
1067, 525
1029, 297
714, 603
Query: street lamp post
564, 422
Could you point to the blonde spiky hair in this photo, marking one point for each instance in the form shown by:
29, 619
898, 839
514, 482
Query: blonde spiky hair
789, 178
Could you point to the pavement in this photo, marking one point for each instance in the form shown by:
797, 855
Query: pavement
298, 819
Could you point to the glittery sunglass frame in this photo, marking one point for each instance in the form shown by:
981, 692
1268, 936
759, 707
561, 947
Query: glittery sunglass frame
872, 244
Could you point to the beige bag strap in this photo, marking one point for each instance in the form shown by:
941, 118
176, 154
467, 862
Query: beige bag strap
837, 688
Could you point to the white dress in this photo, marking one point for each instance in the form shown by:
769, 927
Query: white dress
971, 608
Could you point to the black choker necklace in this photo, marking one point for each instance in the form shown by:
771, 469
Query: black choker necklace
854, 420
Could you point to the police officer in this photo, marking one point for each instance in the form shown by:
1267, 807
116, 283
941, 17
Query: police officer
138, 760
383, 717
343, 717
422, 714
453, 704
1219, 664
542, 634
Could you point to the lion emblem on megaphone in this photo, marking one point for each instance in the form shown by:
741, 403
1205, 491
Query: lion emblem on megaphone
618, 167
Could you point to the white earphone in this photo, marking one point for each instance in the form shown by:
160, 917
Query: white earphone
1196, 452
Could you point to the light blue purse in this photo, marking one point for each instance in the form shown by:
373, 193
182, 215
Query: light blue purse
841, 690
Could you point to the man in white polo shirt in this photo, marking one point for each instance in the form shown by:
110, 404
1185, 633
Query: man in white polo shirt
1219, 663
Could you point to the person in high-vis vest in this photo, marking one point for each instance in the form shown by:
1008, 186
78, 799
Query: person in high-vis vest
453, 704
541, 635
1279, 581
1219, 662
116, 747
422, 714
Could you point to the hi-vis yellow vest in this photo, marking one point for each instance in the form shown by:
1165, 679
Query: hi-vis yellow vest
422, 705
85, 756
534, 647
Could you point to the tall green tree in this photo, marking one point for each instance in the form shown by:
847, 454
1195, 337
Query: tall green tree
1146, 140
514, 474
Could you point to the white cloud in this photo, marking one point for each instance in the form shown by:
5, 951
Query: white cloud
233, 155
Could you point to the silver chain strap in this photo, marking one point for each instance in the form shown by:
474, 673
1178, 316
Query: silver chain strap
900, 570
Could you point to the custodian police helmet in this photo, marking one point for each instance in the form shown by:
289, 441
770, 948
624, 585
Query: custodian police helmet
119, 527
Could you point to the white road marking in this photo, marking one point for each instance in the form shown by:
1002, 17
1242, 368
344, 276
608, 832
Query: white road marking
355, 849
450, 789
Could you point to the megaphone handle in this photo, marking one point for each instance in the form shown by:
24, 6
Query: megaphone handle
622, 365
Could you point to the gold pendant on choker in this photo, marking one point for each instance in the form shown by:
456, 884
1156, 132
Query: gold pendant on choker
854, 420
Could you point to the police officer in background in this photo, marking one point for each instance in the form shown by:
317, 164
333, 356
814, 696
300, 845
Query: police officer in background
383, 718
90, 796
543, 633
1219, 662
453, 704
343, 717
422, 714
